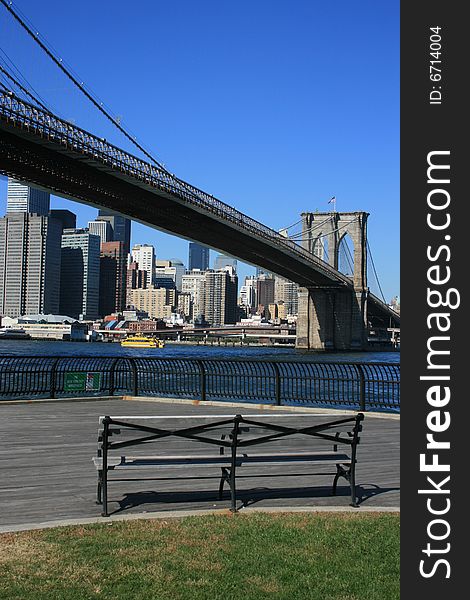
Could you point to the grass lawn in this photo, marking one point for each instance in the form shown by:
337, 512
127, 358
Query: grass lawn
316, 556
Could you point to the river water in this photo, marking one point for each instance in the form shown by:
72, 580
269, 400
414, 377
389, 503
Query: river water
174, 350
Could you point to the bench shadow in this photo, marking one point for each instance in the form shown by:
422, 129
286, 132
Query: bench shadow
250, 497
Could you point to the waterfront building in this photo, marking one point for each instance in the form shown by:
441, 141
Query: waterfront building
29, 264
194, 283
222, 261
144, 256
54, 327
198, 257
80, 274
112, 278
159, 303
120, 226
25, 199
102, 229
221, 289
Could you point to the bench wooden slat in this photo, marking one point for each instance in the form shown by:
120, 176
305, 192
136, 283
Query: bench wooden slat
116, 462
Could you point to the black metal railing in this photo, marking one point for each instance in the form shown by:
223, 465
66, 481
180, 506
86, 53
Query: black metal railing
361, 386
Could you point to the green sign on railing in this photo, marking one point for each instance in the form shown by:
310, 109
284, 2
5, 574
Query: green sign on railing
81, 382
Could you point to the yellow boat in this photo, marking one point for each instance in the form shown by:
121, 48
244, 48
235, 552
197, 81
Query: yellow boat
142, 341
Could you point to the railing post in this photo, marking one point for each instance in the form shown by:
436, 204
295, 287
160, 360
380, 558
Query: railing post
53, 388
277, 384
135, 383
202, 379
362, 388
111, 377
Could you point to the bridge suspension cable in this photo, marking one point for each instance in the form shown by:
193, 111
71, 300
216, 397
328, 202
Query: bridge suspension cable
301, 239
23, 89
17, 77
369, 252
99, 105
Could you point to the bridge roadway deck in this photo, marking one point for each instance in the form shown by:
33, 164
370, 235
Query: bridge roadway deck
46, 471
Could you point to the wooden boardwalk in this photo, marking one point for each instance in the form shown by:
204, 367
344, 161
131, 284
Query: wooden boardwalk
46, 469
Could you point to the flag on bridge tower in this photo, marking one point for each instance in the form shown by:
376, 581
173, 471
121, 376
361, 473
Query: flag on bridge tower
333, 199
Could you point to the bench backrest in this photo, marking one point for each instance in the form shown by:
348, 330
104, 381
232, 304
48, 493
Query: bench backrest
231, 432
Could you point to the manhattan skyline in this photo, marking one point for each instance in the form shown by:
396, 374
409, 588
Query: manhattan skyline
289, 106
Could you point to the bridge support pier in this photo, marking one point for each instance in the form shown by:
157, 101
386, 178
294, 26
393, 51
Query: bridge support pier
332, 319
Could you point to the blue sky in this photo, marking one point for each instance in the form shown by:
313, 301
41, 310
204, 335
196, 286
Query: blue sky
271, 106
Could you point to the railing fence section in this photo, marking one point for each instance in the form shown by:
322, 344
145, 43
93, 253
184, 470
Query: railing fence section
361, 386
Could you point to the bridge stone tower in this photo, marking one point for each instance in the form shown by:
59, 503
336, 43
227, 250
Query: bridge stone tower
334, 318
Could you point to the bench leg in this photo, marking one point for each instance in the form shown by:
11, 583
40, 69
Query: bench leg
223, 479
350, 476
99, 499
233, 492
104, 489
352, 481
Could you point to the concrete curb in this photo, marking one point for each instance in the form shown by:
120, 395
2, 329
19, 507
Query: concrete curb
179, 514
189, 402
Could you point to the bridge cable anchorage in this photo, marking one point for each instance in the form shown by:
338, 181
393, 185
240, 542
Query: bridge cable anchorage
74, 80
375, 272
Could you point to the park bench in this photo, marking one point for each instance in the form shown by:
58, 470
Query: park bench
233, 441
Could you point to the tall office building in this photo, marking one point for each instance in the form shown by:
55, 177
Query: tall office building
121, 227
102, 229
265, 290
222, 261
198, 256
287, 293
29, 264
24, 199
144, 256
136, 279
248, 295
112, 278
221, 297
173, 269
80, 274
194, 283
66, 217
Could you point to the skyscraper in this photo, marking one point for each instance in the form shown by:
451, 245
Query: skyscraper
198, 256
222, 261
24, 199
265, 290
102, 229
194, 283
173, 269
221, 289
121, 227
112, 278
287, 293
66, 217
144, 256
29, 264
80, 274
